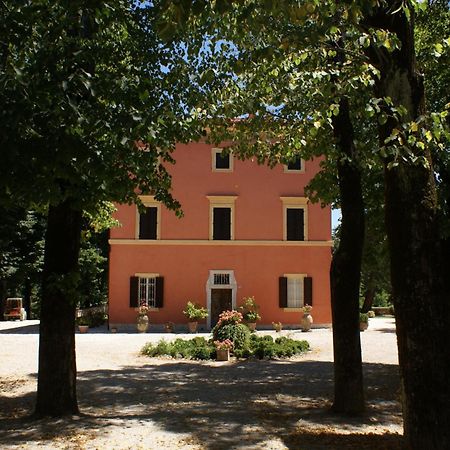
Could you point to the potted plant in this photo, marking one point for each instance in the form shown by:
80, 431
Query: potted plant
169, 327
250, 312
223, 349
194, 313
83, 324
277, 326
142, 319
307, 319
363, 321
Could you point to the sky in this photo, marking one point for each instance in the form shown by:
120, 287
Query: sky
335, 218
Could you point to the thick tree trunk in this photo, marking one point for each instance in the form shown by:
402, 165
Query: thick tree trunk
346, 273
421, 299
56, 394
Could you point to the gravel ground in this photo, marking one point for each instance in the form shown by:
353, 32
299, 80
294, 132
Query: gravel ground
129, 401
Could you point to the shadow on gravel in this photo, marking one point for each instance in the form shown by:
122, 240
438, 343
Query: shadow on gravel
24, 329
221, 405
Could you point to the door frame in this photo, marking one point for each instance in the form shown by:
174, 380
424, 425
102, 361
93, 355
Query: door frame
211, 285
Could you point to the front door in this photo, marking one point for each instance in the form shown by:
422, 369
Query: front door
221, 300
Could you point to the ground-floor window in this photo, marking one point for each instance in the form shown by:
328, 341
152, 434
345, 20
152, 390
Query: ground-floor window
147, 290
295, 291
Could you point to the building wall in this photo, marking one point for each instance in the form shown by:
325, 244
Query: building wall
184, 255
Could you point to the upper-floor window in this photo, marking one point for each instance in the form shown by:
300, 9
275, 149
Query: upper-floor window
296, 165
221, 226
295, 218
221, 223
148, 219
295, 224
221, 161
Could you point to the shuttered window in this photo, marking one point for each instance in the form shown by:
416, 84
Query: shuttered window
148, 223
295, 224
295, 291
146, 291
221, 223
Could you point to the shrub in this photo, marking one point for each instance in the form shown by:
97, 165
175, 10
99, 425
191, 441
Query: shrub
197, 348
195, 312
238, 333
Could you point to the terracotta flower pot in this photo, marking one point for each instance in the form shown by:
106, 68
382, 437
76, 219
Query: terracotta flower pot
251, 326
363, 326
192, 327
223, 354
83, 328
142, 323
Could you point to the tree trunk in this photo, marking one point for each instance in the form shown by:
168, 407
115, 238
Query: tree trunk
27, 297
346, 273
369, 295
56, 395
421, 299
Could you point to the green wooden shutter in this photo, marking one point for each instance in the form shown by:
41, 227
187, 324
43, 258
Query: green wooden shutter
134, 292
282, 283
307, 291
159, 295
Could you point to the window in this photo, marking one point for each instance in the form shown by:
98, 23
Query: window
295, 224
148, 221
295, 218
221, 279
146, 290
221, 226
295, 291
295, 165
221, 162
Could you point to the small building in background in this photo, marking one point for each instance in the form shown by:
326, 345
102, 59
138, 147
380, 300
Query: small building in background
247, 230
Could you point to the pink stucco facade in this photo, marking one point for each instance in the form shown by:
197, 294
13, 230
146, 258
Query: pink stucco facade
185, 254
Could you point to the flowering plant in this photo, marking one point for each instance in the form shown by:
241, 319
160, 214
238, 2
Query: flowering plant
143, 309
250, 310
307, 309
277, 326
229, 317
224, 345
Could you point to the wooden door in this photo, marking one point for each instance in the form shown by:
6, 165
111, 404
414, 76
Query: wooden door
220, 301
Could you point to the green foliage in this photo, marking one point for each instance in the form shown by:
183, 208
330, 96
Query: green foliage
195, 312
382, 298
238, 333
199, 348
363, 318
250, 310
196, 348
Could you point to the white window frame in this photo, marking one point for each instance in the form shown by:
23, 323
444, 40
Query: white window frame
147, 276
214, 152
295, 203
149, 201
302, 167
221, 201
294, 277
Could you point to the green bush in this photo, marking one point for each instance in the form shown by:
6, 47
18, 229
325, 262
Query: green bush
197, 348
261, 347
238, 333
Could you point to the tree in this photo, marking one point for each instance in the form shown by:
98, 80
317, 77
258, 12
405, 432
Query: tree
92, 104
276, 51
291, 78
420, 286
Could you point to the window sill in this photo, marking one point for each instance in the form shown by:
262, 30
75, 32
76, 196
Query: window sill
293, 309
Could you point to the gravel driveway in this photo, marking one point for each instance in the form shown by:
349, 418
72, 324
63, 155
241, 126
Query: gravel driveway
133, 402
